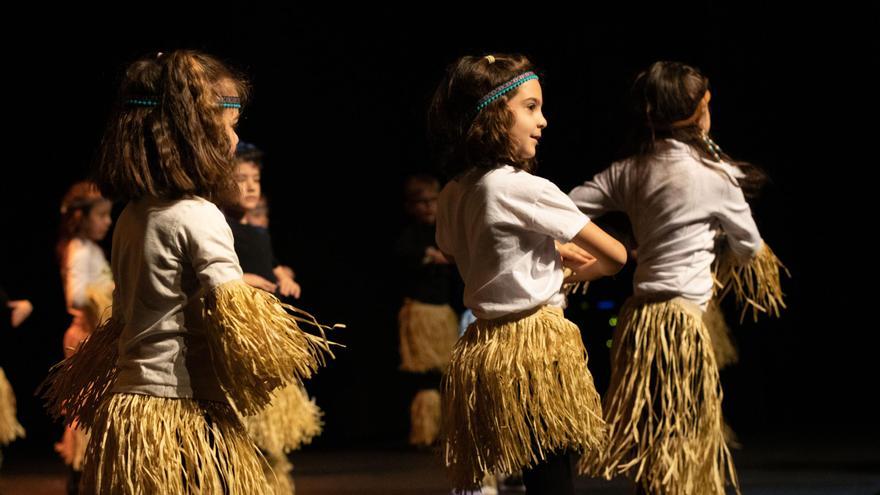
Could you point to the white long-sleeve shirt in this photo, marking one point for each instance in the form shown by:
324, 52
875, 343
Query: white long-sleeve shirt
678, 204
500, 229
166, 255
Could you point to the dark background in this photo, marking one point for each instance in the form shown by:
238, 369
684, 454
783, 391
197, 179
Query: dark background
339, 106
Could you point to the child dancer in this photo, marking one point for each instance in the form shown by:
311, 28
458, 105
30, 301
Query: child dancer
663, 406
189, 344
253, 245
292, 419
88, 290
517, 394
428, 325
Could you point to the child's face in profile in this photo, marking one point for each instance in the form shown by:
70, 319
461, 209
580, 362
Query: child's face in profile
529, 121
98, 221
247, 176
421, 203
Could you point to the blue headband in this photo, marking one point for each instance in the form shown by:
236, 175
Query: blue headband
505, 88
225, 102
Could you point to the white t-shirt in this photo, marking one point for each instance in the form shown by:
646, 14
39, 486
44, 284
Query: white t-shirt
500, 229
166, 255
85, 265
678, 205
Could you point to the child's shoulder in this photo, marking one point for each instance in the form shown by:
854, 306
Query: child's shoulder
716, 177
189, 210
193, 208
512, 180
498, 184
197, 205
199, 214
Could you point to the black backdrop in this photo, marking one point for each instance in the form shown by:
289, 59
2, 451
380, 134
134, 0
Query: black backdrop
339, 106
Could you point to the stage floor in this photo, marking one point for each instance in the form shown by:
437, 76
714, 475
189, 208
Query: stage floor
771, 467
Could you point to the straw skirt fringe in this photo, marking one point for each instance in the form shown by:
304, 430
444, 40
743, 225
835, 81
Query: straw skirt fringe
427, 334
518, 389
663, 407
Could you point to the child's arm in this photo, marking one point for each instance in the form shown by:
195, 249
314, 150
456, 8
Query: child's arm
449, 258
286, 285
750, 269
572, 255
435, 256
556, 215
598, 196
283, 270
609, 253
256, 342
595, 198
21, 309
259, 282
735, 217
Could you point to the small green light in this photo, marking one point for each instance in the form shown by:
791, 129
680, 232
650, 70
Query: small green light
608, 343
612, 321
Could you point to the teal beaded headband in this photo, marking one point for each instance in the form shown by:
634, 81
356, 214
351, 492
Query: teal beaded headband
505, 88
225, 102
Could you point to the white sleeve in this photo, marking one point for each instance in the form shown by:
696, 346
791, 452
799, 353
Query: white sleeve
543, 208
600, 195
441, 232
76, 273
736, 220
209, 246
440, 238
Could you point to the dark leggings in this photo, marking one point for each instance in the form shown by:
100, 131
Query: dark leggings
550, 477
73, 481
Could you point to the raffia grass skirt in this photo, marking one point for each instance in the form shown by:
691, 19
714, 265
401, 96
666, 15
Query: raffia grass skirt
720, 335
427, 334
518, 389
142, 444
424, 417
663, 407
10, 429
290, 421
279, 472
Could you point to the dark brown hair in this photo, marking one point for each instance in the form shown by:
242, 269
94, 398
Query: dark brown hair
670, 92
248, 152
178, 146
464, 137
